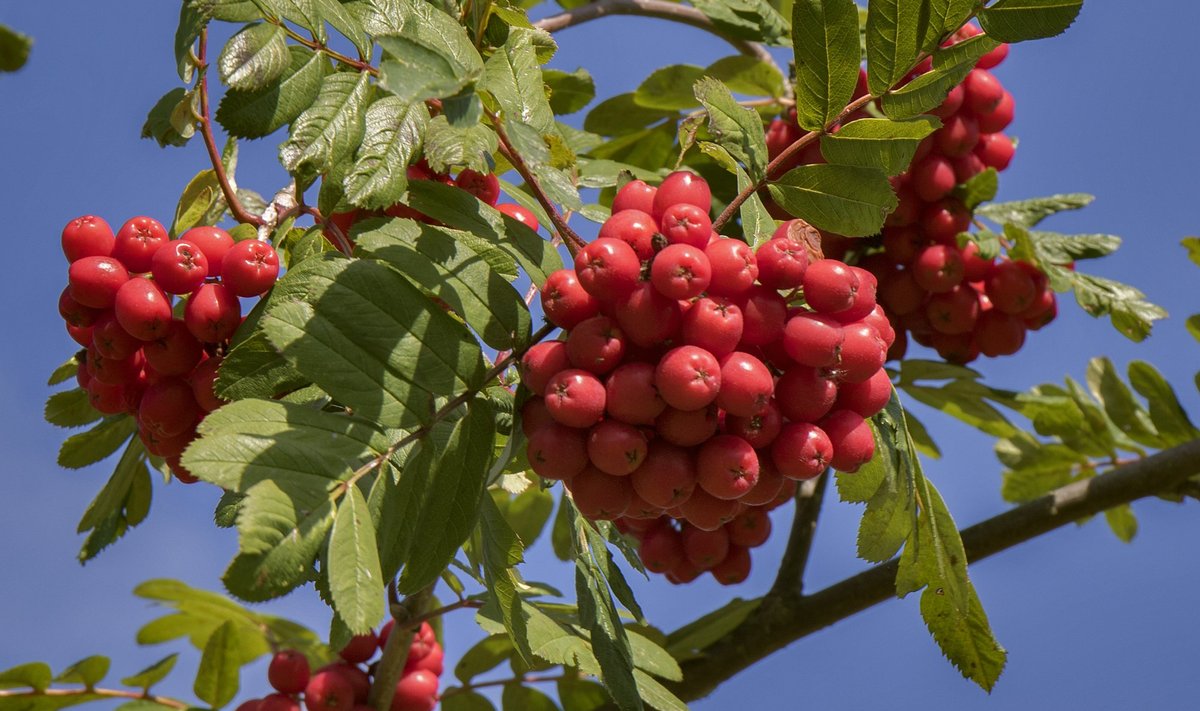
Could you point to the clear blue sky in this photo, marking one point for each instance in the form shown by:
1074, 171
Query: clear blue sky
1088, 621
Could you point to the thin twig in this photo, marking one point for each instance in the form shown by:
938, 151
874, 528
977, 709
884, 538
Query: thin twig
809, 497
358, 64
659, 9
525, 679
105, 693
204, 120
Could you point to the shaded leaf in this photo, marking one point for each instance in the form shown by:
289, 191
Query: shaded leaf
825, 42
217, 677
878, 143
1020, 20
846, 200
355, 579
254, 57
257, 113
393, 136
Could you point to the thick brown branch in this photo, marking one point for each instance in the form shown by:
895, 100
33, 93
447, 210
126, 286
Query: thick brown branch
790, 578
654, 8
104, 693
784, 618
236, 208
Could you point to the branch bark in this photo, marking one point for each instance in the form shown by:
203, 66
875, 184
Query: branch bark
784, 617
655, 8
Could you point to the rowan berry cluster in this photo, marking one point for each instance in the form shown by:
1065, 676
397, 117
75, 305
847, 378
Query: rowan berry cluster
933, 286
345, 685
699, 379
144, 356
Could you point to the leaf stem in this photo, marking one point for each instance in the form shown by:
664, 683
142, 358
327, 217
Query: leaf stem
572, 239
105, 693
663, 10
524, 679
360, 65
236, 208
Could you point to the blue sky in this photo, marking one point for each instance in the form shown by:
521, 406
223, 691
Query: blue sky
1087, 620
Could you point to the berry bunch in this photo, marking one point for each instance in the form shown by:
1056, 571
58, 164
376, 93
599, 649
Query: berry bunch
345, 685
943, 292
485, 186
142, 358
693, 387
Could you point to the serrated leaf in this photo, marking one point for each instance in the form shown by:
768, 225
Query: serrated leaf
736, 128
1126, 306
69, 369
254, 57
754, 20
1021, 20
878, 143
254, 114
152, 674
744, 74
669, 88
895, 33
1028, 213
373, 341
610, 645
231, 10
91, 446
70, 408
1122, 409
513, 76
979, 188
123, 502
950, 66
217, 677
14, 49
415, 68
961, 400
254, 369
1166, 413
825, 42
655, 694
329, 130
35, 675
621, 115
394, 133
1058, 248
569, 92
355, 579
88, 671
343, 20
451, 506
846, 200
193, 18
487, 654
448, 147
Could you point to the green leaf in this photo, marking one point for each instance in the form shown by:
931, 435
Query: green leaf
88, 671
1126, 306
569, 92
451, 505
1028, 213
14, 49
580, 695
744, 74
610, 644
670, 88
460, 269
753, 20
70, 408
1166, 413
1192, 245
878, 143
1122, 522
463, 211
69, 369
123, 502
152, 674
394, 132
343, 20
91, 446
254, 57
171, 121
527, 512
963, 401
193, 18
1193, 326
35, 675
846, 200
370, 339
1058, 248
487, 654
415, 70
621, 115
254, 114
217, 677
355, 579
200, 196
254, 369
736, 128
825, 41
526, 698
1119, 404
448, 146
950, 66
466, 701
513, 76
896, 31
231, 10
329, 130
979, 188
655, 694
1021, 20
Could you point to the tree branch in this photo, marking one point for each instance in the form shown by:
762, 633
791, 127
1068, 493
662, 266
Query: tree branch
783, 618
809, 496
236, 208
33, 695
662, 10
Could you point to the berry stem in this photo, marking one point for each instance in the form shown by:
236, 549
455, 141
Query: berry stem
105, 693
809, 497
526, 679
662, 10
573, 241
395, 653
236, 208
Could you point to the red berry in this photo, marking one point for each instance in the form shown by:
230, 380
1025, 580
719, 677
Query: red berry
863, 353
995, 150
687, 428
213, 313
681, 271
616, 448
250, 267
608, 269
214, 242
631, 396
105, 398
75, 313
168, 408
666, 477
716, 325
175, 353
727, 467
556, 451
764, 314
416, 692
633, 227
111, 340
688, 378
1010, 287
87, 236
179, 267
933, 178
520, 214
852, 440
272, 702
137, 241
813, 339
781, 263
957, 136
596, 345
867, 397
954, 311
681, 186
998, 334
983, 92
938, 268
759, 429
203, 380
686, 224
80, 334
750, 529
805, 394
746, 385
541, 362
734, 267
646, 317
143, 309
94, 281
998, 118
328, 691
830, 286
600, 496
801, 451
703, 548
661, 549
360, 648
564, 300
735, 568
485, 186
288, 672
575, 398
707, 512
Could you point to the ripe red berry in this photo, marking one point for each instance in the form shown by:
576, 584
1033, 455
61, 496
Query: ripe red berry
111, 340
87, 236
852, 440
727, 467
360, 648
616, 448
686, 224
687, 428
998, 333
213, 313
998, 118
485, 186
607, 269
271, 702
681, 186
995, 150
168, 408
750, 529
667, 475
179, 267
938, 268
661, 549
759, 429
813, 339
781, 263
75, 313
863, 353
746, 385
596, 345
764, 314
714, 324
137, 241
520, 214
801, 451
734, 267
94, 281
328, 691
681, 271
868, 397
143, 309
933, 178
983, 92
688, 378
634, 195
707, 512
541, 362
705, 549
954, 311
175, 353
601, 496
105, 398
416, 692
646, 317
830, 286
564, 300
957, 136
203, 380
805, 394
556, 451
288, 672
214, 242
735, 568
631, 396
250, 267
633, 227
575, 398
